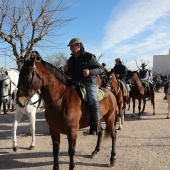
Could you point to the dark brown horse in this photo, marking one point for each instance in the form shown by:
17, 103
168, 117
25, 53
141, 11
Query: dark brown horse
139, 92
65, 112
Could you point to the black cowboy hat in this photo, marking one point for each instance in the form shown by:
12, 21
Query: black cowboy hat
103, 64
143, 65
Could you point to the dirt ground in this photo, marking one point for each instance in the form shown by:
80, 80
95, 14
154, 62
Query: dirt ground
141, 144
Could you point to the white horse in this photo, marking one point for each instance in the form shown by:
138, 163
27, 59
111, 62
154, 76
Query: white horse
9, 86
168, 98
3, 77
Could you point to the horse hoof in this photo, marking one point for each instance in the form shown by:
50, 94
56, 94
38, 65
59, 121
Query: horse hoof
94, 155
15, 148
153, 113
120, 128
167, 117
32, 147
139, 118
112, 163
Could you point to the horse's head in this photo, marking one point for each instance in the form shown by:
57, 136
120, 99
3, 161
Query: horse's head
29, 82
110, 80
134, 78
5, 87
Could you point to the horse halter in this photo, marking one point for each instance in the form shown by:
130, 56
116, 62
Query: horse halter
20, 87
108, 82
11, 82
108, 85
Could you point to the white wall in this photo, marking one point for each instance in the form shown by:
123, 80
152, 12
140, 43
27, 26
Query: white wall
161, 64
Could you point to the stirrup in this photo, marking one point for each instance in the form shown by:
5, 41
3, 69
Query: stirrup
95, 128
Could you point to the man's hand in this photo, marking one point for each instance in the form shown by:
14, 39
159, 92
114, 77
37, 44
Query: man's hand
65, 67
117, 75
86, 73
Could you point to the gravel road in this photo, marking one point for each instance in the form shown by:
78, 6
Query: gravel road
141, 144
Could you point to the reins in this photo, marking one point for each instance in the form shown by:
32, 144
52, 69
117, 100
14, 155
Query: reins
72, 87
108, 85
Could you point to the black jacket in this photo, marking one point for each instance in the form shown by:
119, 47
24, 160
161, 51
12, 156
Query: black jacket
86, 60
121, 70
142, 73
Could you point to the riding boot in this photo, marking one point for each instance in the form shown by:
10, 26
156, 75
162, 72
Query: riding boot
125, 99
95, 128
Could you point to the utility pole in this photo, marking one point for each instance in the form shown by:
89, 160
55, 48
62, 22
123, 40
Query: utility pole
5, 59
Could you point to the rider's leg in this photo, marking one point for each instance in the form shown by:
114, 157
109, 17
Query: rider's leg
94, 105
125, 97
166, 86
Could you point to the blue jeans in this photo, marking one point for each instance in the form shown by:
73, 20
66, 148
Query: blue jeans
93, 101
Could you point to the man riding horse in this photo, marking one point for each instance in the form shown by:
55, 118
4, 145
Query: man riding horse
144, 77
120, 71
83, 66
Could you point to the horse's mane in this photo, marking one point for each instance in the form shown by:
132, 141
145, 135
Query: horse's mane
57, 72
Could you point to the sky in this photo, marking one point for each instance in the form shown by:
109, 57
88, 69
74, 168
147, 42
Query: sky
133, 30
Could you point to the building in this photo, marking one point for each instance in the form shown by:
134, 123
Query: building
161, 64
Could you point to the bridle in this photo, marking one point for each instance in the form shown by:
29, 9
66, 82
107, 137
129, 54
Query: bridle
27, 96
109, 86
11, 82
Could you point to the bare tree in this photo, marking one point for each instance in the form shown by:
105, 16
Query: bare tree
25, 23
137, 65
100, 57
57, 59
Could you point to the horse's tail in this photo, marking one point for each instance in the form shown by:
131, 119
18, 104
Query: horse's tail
107, 133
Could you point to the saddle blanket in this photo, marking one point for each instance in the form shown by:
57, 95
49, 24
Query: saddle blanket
100, 93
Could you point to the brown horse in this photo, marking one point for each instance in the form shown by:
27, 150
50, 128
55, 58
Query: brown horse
111, 83
65, 112
139, 92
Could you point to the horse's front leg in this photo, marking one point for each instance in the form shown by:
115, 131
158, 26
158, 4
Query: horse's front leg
121, 117
153, 102
139, 108
168, 100
72, 136
56, 146
18, 117
144, 104
97, 148
4, 107
32, 117
133, 115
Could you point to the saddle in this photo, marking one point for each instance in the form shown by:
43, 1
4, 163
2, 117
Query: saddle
123, 87
83, 94
144, 84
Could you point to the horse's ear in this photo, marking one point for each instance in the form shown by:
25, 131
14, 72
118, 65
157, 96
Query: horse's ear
32, 61
6, 73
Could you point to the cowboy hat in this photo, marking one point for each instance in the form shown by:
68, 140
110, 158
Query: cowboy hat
143, 65
103, 64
